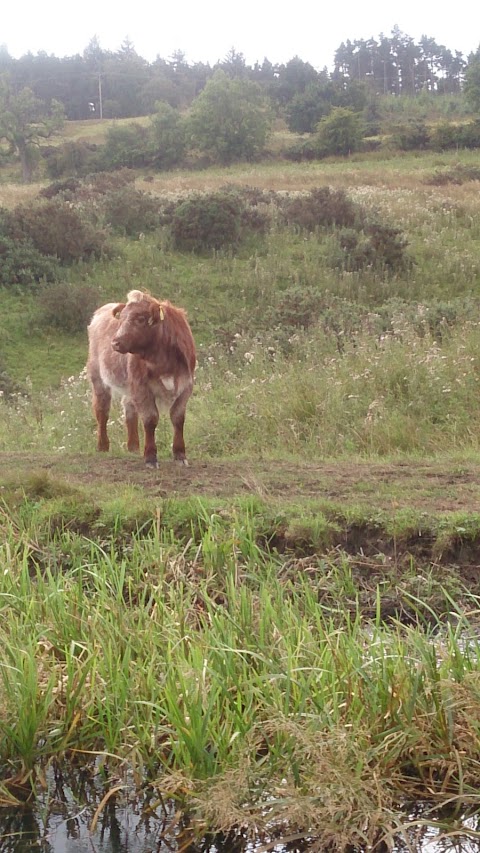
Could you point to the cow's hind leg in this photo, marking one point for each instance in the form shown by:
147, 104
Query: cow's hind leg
177, 417
102, 399
131, 420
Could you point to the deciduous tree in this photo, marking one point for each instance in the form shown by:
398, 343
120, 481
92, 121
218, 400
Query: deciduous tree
230, 119
25, 121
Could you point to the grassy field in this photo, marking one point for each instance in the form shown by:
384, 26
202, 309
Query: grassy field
283, 637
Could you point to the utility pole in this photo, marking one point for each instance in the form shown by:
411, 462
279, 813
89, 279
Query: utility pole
100, 102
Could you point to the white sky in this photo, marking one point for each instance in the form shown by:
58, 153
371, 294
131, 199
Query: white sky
206, 29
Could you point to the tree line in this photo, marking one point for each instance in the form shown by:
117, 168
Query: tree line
121, 84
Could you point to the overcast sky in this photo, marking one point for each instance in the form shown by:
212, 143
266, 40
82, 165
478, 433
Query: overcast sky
206, 30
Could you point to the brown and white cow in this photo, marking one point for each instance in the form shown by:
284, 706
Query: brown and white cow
142, 350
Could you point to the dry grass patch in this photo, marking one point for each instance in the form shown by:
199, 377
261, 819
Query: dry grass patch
12, 194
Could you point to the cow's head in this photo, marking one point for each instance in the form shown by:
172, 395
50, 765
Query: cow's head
138, 323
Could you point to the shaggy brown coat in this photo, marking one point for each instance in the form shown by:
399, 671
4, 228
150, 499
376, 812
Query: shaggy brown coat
142, 350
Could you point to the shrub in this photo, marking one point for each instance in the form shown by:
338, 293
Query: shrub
72, 158
444, 137
55, 228
67, 307
304, 150
205, 222
126, 145
105, 182
377, 246
470, 135
339, 133
67, 188
297, 307
131, 211
8, 386
320, 208
21, 263
459, 174
168, 137
412, 136
457, 136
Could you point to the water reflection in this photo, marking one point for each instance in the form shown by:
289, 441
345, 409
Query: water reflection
66, 818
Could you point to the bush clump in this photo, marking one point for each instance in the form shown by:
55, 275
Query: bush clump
75, 158
376, 246
305, 150
126, 145
131, 211
56, 229
458, 174
320, 208
22, 264
67, 188
412, 136
67, 308
447, 136
212, 221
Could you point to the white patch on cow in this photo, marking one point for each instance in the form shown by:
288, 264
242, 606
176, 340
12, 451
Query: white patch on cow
135, 296
168, 382
106, 377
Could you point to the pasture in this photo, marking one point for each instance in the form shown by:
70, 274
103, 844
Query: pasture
281, 639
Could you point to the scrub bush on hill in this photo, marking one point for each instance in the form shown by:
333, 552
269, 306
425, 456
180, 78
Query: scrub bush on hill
126, 145
55, 228
320, 208
131, 211
412, 136
67, 188
8, 386
339, 134
305, 149
459, 174
447, 136
168, 137
72, 158
216, 221
376, 246
22, 264
80, 189
67, 308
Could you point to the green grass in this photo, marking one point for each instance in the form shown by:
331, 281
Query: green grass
227, 676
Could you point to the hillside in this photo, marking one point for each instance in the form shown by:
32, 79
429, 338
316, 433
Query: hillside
282, 638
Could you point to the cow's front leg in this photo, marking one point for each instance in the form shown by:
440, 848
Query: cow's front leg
131, 420
150, 450
150, 421
145, 404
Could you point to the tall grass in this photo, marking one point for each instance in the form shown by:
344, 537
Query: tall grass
230, 683
381, 395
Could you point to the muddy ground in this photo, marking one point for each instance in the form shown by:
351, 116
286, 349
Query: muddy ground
430, 486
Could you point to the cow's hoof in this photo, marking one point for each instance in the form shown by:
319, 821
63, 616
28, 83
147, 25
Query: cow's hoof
183, 462
151, 463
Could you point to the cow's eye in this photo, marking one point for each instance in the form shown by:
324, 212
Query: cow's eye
141, 320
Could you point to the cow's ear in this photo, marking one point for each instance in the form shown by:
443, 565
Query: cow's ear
156, 314
118, 309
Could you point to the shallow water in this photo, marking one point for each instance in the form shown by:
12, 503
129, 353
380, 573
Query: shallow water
66, 818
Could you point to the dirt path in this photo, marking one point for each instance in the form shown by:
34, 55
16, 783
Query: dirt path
431, 486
